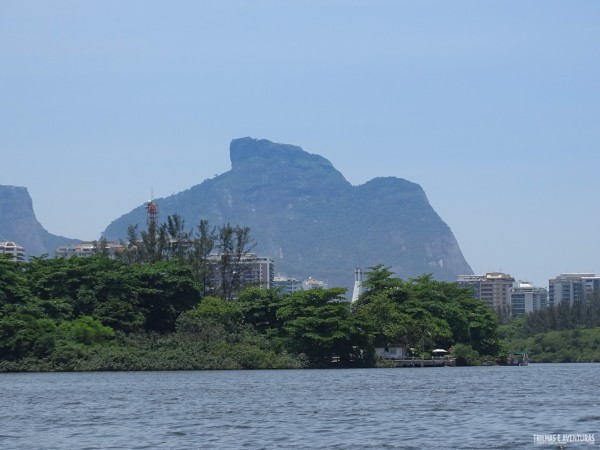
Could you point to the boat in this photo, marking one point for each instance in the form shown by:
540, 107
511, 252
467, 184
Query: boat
518, 359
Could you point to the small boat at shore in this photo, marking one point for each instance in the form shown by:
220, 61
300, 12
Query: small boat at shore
518, 359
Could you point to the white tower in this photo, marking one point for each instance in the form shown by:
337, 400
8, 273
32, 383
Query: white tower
357, 285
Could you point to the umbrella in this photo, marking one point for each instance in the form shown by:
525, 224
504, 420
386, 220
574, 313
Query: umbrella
439, 350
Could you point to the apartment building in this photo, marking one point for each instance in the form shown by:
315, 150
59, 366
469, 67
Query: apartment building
313, 283
493, 288
261, 271
526, 298
252, 270
87, 248
288, 285
571, 287
14, 250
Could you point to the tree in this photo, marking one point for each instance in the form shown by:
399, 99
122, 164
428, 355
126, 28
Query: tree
23, 335
166, 290
154, 243
96, 286
212, 310
389, 324
234, 245
202, 247
101, 246
13, 283
212, 321
259, 307
179, 239
319, 324
131, 251
423, 313
148, 246
86, 330
380, 281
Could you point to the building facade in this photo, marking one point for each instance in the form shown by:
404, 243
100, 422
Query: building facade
250, 270
260, 271
526, 298
313, 283
288, 285
14, 250
571, 287
493, 288
88, 248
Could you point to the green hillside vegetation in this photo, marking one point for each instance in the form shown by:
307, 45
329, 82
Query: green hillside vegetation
155, 309
566, 333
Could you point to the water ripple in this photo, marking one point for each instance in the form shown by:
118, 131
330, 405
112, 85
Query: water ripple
483, 407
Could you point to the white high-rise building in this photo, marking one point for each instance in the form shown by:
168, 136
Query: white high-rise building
288, 285
313, 283
14, 250
526, 298
88, 248
571, 287
253, 270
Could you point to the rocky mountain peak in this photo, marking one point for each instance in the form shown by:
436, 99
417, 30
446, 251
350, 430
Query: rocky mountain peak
312, 221
266, 160
248, 154
19, 224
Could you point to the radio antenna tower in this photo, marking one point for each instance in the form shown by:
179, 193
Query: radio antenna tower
152, 217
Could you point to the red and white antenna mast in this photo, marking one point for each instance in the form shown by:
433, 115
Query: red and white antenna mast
152, 217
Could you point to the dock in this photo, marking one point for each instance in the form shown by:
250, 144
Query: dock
436, 361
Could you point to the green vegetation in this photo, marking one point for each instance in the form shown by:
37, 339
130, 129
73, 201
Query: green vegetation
152, 310
566, 333
422, 314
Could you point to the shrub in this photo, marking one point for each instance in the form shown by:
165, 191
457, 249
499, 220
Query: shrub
465, 355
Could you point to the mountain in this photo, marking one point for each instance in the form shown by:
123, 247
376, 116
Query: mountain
311, 220
19, 224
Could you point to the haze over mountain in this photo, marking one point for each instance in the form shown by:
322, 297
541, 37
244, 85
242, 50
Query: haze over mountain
311, 220
19, 224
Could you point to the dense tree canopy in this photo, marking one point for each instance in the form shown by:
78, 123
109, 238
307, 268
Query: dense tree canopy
423, 313
101, 313
563, 333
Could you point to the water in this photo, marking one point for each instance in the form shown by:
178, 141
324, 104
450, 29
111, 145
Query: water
421, 408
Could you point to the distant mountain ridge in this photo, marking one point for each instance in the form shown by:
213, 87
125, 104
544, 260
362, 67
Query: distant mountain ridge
311, 220
19, 224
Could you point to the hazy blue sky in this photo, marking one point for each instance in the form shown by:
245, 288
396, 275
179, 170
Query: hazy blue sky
493, 107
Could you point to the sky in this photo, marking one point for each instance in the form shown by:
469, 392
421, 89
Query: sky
492, 107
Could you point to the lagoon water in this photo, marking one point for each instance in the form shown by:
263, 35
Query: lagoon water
420, 408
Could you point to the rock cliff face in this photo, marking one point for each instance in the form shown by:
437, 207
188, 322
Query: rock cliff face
19, 224
312, 221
